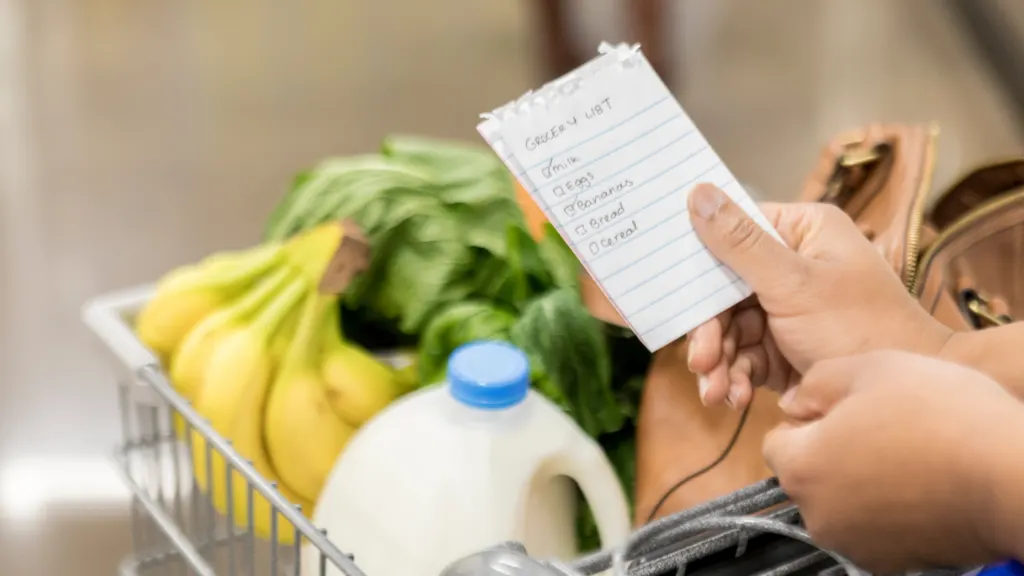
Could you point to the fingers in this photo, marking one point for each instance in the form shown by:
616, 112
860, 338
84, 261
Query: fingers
704, 349
739, 242
822, 387
748, 370
786, 446
737, 328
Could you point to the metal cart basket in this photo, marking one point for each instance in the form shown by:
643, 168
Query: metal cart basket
176, 529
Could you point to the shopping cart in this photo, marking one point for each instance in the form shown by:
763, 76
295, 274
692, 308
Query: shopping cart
176, 529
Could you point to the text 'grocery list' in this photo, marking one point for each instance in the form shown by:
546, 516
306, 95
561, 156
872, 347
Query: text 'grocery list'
610, 157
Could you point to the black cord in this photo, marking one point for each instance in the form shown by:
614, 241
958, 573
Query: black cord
721, 457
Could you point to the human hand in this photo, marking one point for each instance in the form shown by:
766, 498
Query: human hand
829, 294
900, 461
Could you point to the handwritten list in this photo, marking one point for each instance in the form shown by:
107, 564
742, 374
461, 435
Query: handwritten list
611, 163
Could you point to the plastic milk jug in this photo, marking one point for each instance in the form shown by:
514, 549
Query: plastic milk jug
455, 468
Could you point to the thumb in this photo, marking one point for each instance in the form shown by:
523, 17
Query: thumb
823, 386
739, 242
787, 450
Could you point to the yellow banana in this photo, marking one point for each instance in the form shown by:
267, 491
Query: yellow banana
187, 295
303, 435
232, 398
189, 362
358, 385
282, 339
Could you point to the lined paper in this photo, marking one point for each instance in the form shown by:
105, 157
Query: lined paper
610, 157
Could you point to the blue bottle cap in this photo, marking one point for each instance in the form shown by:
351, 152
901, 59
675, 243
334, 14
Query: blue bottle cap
488, 374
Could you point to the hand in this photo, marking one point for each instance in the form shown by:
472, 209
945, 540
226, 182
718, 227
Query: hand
901, 461
828, 294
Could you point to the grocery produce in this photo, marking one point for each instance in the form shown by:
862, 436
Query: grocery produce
189, 361
303, 450
455, 260
253, 360
187, 295
237, 377
357, 384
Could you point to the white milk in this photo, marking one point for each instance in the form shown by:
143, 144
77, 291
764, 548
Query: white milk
458, 467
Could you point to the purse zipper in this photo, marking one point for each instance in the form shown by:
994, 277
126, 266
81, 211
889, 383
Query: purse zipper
957, 227
911, 262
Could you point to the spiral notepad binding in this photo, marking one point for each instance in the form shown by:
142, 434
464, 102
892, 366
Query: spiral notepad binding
610, 56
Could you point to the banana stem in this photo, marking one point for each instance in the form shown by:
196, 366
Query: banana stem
312, 251
300, 355
332, 326
258, 296
233, 267
270, 318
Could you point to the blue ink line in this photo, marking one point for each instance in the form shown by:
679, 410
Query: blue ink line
564, 175
691, 306
602, 133
651, 253
677, 264
606, 277
628, 192
649, 204
675, 289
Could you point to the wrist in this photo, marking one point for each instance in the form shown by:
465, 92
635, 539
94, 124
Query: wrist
1001, 520
935, 338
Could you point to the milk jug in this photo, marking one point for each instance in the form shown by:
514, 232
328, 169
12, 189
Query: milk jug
455, 468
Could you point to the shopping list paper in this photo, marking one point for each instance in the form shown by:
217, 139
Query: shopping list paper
610, 157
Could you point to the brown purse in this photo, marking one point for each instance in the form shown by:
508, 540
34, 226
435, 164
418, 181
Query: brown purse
964, 259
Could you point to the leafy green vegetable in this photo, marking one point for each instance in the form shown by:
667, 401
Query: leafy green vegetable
564, 342
441, 218
457, 325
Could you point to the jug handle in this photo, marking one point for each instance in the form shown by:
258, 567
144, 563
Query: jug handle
588, 466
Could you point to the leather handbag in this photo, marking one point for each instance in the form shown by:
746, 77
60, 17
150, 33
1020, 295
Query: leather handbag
963, 258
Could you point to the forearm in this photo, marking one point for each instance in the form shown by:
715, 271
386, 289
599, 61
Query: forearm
1004, 518
996, 352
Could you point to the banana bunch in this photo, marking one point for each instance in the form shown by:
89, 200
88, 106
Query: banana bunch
248, 339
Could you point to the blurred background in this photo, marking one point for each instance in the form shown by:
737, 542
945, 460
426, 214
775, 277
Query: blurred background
139, 135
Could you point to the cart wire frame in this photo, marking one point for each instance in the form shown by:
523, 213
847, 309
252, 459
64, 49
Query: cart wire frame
177, 530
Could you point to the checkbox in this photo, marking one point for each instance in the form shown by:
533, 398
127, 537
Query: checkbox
581, 230
570, 210
594, 248
558, 191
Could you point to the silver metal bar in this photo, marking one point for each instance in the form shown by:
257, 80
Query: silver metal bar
297, 568
274, 540
661, 532
739, 522
210, 529
682, 551
158, 381
165, 523
179, 513
196, 521
230, 495
797, 564
250, 541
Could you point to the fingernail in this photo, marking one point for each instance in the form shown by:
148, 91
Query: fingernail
787, 397
707, 200
702, 388
734, 396
689, 354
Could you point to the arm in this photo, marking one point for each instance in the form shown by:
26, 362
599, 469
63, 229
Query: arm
1003, 523
997, 352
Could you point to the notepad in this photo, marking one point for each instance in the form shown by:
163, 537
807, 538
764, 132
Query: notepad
610, 156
